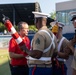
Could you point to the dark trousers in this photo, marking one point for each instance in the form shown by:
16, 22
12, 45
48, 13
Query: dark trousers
59, 70
40, 71
19, 70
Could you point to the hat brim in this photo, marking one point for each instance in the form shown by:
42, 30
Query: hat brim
40, 14
73, 18
49, 20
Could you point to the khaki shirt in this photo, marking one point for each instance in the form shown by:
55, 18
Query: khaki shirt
42, 41
63, 45
74, 61
69, 48
66, 48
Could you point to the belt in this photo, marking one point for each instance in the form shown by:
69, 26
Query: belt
20, 66
41, 65
61, 60
44, 59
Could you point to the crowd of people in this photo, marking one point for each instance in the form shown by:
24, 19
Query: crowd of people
48, 51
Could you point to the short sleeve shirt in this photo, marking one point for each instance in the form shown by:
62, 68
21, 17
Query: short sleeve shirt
42, 41
13, 47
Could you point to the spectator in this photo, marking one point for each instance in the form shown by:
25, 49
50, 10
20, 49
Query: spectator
18, 62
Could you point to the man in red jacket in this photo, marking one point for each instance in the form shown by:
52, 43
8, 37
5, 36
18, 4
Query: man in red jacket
18, 61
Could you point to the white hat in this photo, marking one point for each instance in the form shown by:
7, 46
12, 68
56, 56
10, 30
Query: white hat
73, 15
39, 14
60, 24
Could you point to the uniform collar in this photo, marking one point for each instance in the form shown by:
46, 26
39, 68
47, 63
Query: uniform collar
43, 27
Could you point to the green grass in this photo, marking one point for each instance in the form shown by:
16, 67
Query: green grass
4, 62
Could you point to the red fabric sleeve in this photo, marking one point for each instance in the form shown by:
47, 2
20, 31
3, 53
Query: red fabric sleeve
12, 45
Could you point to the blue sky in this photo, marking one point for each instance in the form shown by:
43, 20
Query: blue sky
47, 6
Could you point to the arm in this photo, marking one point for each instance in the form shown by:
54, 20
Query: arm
33, 53
38, 47
72, 43
15, 55
63, 55
69, 48
64, 50
13, 50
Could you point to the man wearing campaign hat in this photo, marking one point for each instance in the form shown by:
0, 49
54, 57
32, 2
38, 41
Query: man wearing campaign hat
63, 52
74, 42
44, 45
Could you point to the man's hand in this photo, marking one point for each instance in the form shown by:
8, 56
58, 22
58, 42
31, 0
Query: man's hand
5, 18
23, 48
